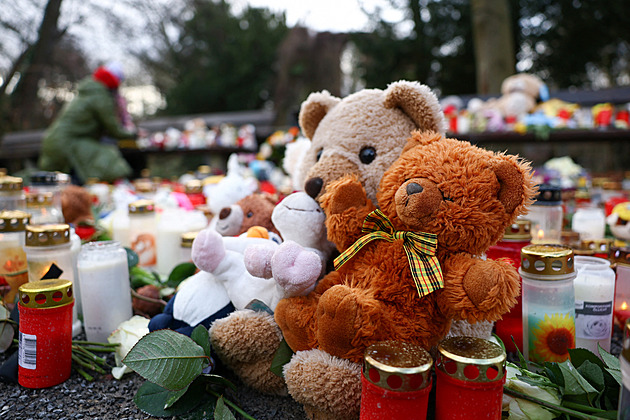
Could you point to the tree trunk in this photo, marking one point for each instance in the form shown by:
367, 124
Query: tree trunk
494, 47
24, 99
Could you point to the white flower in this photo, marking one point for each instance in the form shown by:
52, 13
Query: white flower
525, 410
127, 335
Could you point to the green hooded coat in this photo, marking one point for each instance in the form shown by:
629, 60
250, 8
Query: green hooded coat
72, 141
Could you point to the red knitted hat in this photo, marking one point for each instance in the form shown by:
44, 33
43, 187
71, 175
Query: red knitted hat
107, 78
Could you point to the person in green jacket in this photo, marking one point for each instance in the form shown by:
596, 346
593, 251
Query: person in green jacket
72, 144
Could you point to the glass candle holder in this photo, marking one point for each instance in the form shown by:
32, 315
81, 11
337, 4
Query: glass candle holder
186, 242
45, 333
49, 183
546, 215
548, 272
13, 269
470, 376
589, 222
12, 193
395, 381
623, 411
40, 206
106, 296
516, 237
594, 298
142, 232
172, 224
194, 190
49, 256
620, 258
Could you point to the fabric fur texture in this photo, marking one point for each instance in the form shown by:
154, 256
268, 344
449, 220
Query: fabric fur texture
463, 194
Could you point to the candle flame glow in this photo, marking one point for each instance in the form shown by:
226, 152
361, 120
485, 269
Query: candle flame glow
624, 306
540, 234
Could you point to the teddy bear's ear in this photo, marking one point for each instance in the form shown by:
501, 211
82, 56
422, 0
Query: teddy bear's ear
421, 138
418, 102
516, 189
313, 109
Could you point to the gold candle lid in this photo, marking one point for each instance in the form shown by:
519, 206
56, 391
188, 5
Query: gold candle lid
570, 238
13, 220
547, 260
471, 359
141, 206
599, 246
39, 199
521, 229
194, 186
10, 183
50, 293
204, 170
397, 366
47, 235
620, 255
188, 238
207, 211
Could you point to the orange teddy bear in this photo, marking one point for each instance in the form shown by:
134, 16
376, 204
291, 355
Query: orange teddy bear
444, 202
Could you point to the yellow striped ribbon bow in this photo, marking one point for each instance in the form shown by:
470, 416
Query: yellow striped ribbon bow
419, 247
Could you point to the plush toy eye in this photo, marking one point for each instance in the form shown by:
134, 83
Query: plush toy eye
367, 155
250, 214
445, 198
319, 155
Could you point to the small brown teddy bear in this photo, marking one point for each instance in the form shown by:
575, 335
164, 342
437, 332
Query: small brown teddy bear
361, 134
445, 197
253, 210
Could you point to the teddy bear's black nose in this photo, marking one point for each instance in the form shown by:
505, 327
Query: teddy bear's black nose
225, 212
313, 186
413, 188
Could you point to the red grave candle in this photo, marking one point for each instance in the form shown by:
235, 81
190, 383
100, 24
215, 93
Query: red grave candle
620, 259
470, 377
45, 333
395, 382
517, 236
194, 191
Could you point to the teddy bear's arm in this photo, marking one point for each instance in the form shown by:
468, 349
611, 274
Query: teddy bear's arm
476, 289
346, 205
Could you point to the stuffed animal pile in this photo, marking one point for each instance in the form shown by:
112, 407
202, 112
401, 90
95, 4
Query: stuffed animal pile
362, 134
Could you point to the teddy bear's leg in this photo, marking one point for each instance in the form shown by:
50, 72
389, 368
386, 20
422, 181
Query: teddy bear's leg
345, 318
296, 317
246, 341
329, 388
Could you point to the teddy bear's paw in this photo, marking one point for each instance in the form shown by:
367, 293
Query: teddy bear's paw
295, 268
343, 194
258, 260
259, 377
339, 315
245, 337
328, 387
295, 317
208, 250
492, 286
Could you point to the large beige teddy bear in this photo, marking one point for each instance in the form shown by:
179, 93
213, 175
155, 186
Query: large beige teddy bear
362, 134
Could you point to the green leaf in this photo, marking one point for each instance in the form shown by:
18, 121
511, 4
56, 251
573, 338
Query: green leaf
593, 374
200, 336
179, 273
174, 397
152, 399
221, 412
611, 361
132, 258
166, 358
578, 356
282, 357
521, 358
218, 380
7, 332
575, 386
552, 371
616, 374
4, 313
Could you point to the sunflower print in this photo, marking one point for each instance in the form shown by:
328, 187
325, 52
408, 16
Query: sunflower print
553, 337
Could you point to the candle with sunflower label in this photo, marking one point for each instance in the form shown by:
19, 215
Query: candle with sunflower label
548, 302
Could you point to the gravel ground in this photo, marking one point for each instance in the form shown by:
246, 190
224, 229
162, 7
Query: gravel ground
108, 398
